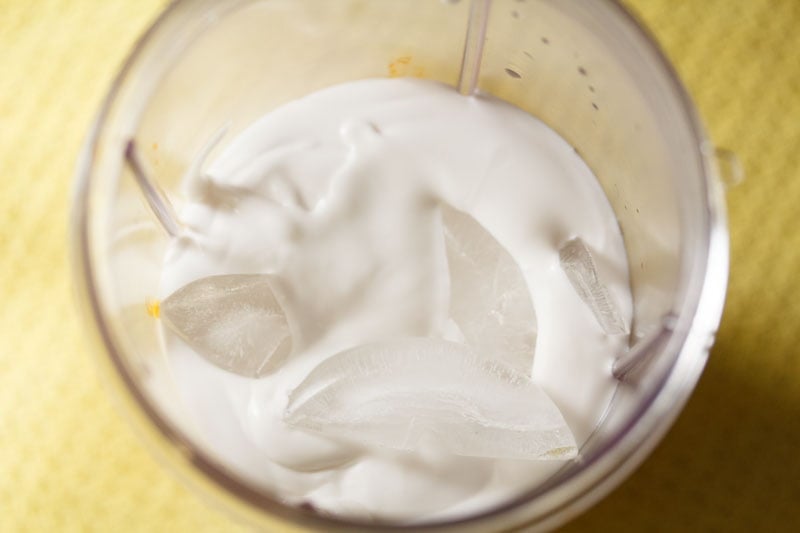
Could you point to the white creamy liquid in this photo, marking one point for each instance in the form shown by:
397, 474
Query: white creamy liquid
338, 194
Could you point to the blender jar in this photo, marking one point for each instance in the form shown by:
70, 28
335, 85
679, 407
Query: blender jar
587, 69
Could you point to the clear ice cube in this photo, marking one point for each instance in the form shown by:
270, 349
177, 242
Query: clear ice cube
489, 298
579, 266
234, 321
412, 392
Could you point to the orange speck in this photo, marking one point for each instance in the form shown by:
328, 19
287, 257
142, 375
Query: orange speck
153, 308
419, 72
155, 146
398, 67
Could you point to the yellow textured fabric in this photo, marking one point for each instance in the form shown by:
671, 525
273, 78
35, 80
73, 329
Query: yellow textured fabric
69, 463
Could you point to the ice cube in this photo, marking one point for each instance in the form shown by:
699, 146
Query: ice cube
409, 393
234, 321
489, 298
579, 266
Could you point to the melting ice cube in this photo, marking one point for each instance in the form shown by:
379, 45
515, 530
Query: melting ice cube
579, 266
489, 298
404, 393
234, 321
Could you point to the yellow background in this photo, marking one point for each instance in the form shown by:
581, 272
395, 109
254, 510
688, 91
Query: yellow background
68, 462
